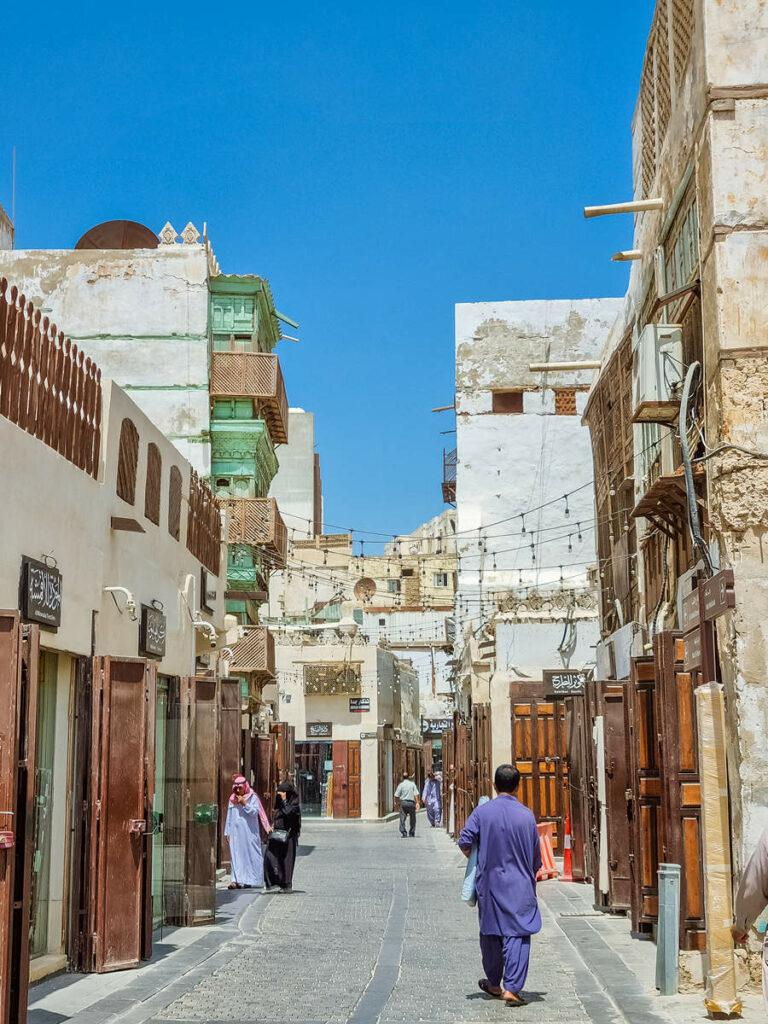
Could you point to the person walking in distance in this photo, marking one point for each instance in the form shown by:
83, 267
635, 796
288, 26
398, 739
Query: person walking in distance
283, 840
432, 798
407, 796
508, 857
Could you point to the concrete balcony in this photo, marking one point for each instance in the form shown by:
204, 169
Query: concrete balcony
254, 654
257, 521
255, 375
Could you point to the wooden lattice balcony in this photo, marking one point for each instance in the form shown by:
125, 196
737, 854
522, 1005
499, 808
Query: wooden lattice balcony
255, 653
257, 521
253, 375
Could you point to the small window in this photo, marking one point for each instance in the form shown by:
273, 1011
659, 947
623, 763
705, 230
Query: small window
407, 572
393, 586
174, 503
565, 401
508, 402
152, 486
441, 579
382, 622
127, 462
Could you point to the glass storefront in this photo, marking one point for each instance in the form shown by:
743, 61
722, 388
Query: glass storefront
314, 772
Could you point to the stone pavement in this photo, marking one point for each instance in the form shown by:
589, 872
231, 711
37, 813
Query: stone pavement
374, 932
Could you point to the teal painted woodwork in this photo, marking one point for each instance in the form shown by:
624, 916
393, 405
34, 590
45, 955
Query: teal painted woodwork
239, 446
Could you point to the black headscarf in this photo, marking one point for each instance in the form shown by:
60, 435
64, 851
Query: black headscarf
288, 809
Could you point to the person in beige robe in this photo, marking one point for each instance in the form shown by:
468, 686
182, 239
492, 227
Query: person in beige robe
751, 901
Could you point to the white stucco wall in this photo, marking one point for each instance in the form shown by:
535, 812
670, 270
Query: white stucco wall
142, 315
49, 507
294, 484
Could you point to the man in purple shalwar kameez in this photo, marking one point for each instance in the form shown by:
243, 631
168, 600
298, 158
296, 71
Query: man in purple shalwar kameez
508, 857
432, 798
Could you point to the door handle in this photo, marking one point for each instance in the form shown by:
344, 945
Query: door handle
138, 826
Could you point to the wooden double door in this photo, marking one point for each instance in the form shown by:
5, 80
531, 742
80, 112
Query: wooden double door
539, 753
346, 778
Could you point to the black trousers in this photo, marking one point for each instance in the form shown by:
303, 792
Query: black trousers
408, 810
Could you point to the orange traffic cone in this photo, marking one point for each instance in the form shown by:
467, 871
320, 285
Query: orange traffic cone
567, 875
547, 869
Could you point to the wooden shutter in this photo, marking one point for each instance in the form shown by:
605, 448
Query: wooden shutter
201, 753
611, 698
681, 794
230, 726
153, 484
340, 779
19, 654
122, 790
127, 461
641, 729
578, 775
353, 778
174, 502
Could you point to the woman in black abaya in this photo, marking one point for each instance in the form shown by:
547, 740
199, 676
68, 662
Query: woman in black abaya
283, 840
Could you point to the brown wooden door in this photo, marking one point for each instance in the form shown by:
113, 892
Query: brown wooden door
462, 791
264, 770
78, 941
381, 754
578, 774
230, 726
353, 778
482, 754
611, 706
201, 759
286, 750
19, 657
645, 786
121, 799
449, 778
681, 793
340, 779
538, 750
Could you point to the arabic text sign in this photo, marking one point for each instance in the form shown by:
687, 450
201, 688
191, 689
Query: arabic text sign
40, 593
562, 682
152, 632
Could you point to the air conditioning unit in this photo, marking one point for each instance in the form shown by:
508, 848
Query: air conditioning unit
656, 457
657, 374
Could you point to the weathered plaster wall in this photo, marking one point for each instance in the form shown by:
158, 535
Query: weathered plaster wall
6, 230
75, 529
142, 314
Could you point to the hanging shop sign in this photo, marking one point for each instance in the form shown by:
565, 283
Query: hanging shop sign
690, 611
563, 682
319, 730
692, 650
359, 704
152, 632
40, 593
435, 725
718, 595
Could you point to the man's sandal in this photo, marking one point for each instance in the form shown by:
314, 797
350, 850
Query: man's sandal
485, 985
513, 999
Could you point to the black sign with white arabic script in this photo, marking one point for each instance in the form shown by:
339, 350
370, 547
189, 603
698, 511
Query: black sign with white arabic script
152, 632
40, 593
436, 725
320, 730
562, 682
359, 703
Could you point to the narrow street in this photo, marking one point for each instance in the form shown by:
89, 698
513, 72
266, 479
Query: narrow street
374, 931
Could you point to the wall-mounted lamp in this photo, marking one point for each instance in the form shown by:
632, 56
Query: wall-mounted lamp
208, 628
130, 601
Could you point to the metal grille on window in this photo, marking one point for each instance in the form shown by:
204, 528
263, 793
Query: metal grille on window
332, 679
152, 487
127, 462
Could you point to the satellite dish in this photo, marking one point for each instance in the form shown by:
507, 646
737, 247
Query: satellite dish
364, 589
119, 234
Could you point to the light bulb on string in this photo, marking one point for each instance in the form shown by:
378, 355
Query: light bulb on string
567, 510
570, 543
522, 518
578, 525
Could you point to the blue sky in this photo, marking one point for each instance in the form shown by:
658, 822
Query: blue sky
377, 162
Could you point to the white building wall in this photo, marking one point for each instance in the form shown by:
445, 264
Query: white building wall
294, 484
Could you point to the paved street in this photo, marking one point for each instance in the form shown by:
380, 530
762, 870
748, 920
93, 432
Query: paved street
375, 931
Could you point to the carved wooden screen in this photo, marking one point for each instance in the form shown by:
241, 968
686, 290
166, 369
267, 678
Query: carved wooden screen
152, 485
681, 794
645, 783
127, 461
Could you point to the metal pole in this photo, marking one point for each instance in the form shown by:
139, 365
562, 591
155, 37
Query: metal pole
668, 936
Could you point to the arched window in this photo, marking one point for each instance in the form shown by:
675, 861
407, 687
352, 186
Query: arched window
152, 488
127, 462
174, 503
